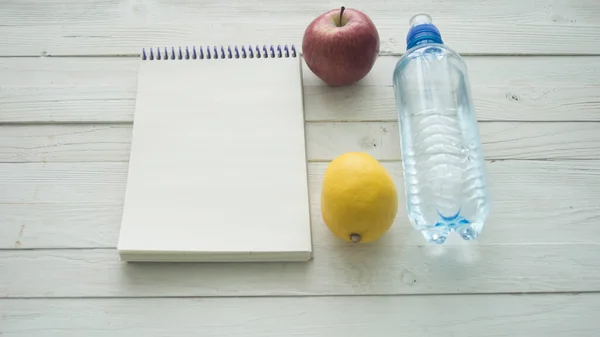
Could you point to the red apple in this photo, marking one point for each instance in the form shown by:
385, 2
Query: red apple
341, 46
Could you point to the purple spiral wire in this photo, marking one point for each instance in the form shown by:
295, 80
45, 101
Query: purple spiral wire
206, 52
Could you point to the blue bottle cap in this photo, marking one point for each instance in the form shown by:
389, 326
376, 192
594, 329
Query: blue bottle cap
421, 29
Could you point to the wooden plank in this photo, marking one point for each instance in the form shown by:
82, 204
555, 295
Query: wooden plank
504, 89
105, 27
488, 315
387, 268
324, 141
59, 225
500, 140
71, 205
67, 89
498, 71
64, 143
492, 103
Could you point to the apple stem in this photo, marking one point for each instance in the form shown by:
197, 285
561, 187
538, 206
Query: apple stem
341, 15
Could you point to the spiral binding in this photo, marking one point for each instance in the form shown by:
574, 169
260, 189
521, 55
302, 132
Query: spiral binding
206, 52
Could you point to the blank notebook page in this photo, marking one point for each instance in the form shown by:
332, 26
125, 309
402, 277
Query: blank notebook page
218, 167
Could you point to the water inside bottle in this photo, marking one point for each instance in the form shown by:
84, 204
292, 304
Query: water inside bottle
442, 158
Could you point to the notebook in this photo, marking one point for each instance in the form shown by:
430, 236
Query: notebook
217, 169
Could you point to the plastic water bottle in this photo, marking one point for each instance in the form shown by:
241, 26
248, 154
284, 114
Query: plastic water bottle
444, 176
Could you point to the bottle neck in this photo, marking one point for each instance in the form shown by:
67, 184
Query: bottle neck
423, 33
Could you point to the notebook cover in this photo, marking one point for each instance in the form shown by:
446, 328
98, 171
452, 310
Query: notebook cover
217, 167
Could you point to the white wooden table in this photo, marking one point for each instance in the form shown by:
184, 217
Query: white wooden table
67, 90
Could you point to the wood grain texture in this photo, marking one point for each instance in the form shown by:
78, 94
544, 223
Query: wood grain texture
63, 187
387, 268
324, 141
504, 89
79, 205
500, 140
477, 316
106, 27
59, 225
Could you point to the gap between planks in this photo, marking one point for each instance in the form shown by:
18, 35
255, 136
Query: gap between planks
130, 123
225, 297
300, 54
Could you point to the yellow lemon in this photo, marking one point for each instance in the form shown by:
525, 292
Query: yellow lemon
359, 199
